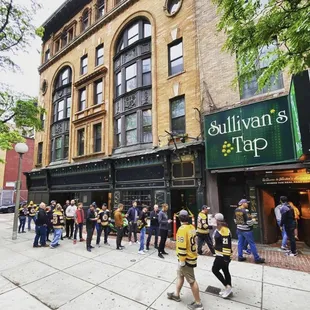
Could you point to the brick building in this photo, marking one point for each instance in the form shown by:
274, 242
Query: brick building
9, 172
236, 120
120, 84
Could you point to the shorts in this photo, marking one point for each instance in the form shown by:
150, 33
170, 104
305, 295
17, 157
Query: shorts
188, 273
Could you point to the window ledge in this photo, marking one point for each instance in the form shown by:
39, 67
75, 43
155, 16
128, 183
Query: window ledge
87, 155
265, 96
172, 76
89, 112
102, 69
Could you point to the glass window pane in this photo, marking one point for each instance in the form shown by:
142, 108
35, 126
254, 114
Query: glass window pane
131, 71
147, 30
83, 95
178, 125
133, 34
131, 121
100, 51
147, 134
58, 143
177, 108
131, 84
131, 137
61, 105
176, 66
147, 117
146, 65
119, 126
119, 78
99, 87
147, 80
176, 51
249, 88
64, 77
118, 140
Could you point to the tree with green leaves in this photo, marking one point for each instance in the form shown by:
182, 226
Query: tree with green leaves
253, 25
18, 113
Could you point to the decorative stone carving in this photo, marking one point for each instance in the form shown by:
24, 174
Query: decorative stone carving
130, 55
130, 102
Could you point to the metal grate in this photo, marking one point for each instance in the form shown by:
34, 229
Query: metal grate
213, 290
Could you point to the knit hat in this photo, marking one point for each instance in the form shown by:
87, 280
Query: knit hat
219, 217
183, 212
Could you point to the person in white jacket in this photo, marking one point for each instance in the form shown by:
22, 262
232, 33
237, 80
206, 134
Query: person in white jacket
70, 217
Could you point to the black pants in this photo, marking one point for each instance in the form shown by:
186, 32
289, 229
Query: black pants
221, 263
78, 227
22, 223
90, 232
156, 231
119, 236
205, 238
106, 230
133, 227
48, 231
69, 227
291, 236
163, 238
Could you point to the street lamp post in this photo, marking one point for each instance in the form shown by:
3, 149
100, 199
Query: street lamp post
21, 149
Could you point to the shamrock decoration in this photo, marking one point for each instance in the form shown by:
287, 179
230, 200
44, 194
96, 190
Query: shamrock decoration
227, 148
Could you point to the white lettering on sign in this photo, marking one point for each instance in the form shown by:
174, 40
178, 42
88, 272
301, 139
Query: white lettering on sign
236, 124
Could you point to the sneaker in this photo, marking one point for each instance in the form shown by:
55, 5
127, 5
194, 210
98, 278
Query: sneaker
147, 248
37, 246
165, 253
89, 249
130, 243
122, 246
214, 255
160, 255
23, 232
241, 259
247, 252
172, 296
222, 291
44, 246
92, 247
284, 248
227, 292
74, 241
195, 306
141, 252
120, 249
106, 243
260, 261
290, 253
52, 247
137, 242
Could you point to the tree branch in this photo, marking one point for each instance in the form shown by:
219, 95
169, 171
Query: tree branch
7, 17
7, 119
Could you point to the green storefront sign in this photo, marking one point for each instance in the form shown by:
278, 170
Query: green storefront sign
254, 134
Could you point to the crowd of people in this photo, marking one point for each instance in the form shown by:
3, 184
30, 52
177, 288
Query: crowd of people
54, 218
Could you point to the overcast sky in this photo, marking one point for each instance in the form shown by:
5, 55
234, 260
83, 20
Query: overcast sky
28, 80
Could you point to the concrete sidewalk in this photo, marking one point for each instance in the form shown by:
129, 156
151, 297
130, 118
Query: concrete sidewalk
69, 277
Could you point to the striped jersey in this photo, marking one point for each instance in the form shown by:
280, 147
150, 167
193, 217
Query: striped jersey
222, 242
243, 219
186, 245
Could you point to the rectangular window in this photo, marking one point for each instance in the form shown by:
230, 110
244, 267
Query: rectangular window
250, 88
146, 71
147, 125
131, 129
82, 99
100, 5
133, 34
176, 57
118, 89
68, 107
99, 55
147, 30
57, 45
178, 115
58, 148
47, 55
66, 146
65, 77
131, 77
85, 20
118, 132
60, 110
70, 35
81, 141
40, 151
64, 39
84, 63
42, 119
97, 138
98, 90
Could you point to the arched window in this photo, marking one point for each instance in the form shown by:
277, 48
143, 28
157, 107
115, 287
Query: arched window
61, 115
85, 20
133, 86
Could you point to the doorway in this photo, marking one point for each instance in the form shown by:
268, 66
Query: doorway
100, 197
184, 198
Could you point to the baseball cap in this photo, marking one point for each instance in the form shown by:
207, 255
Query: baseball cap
53, 201
204, 207
243, 201
183, 212
104, 205
219, 217
94, 204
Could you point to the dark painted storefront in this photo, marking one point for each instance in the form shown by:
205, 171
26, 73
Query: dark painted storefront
259, 151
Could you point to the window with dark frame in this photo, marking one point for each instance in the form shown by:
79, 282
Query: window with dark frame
97, 137
85, 20
58, 148
82, 99
176, 57
98, 91
100, 8
133, 83
47, 55
84, 64
177, 112
64, 39
57, 45
42, 119
81, 141
70, 34
250, 88
99, 55
40, 152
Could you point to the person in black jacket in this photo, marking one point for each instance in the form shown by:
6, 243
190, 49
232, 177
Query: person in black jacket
288, 223
154, 227
41, 226
142, 227
163, 229
49, 228
132, 217
91, 220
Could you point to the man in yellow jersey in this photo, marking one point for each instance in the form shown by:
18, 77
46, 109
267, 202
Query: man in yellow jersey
187, 255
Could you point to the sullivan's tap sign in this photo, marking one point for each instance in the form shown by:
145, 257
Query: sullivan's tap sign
255, 134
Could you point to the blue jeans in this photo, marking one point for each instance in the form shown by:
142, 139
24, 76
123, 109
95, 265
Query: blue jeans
22, 222
284, 235
142, 237
57, 236
248, 236
31, 218
40, 234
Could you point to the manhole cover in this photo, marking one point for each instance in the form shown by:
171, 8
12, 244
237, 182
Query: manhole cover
213, 290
